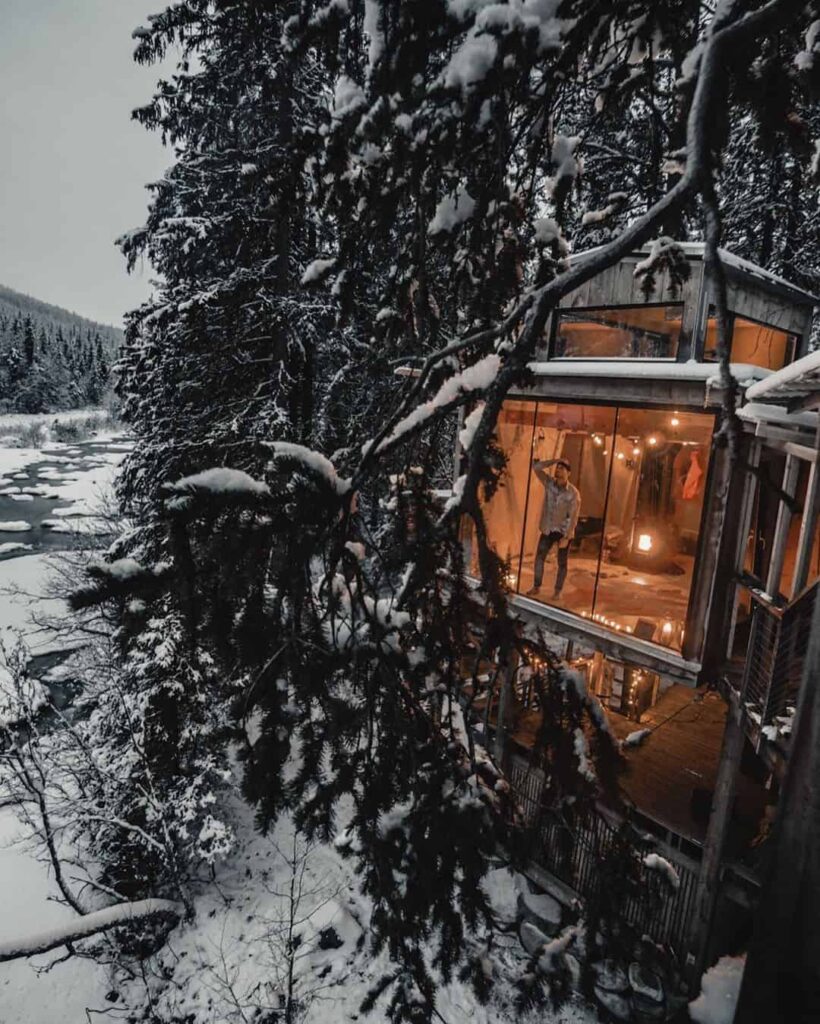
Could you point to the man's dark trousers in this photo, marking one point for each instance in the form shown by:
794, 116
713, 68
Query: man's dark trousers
545, 543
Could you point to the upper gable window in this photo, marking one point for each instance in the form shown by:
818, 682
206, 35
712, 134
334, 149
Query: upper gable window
752, 343
619, 332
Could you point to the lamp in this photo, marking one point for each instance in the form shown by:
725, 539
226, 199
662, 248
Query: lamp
651, 546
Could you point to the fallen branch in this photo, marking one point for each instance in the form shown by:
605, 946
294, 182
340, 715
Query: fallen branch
89, 924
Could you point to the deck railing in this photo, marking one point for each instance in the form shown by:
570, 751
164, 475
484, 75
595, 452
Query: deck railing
575, 858
777, 648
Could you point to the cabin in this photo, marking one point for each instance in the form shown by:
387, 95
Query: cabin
689, 578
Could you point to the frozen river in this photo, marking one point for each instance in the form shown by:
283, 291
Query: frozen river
51, 498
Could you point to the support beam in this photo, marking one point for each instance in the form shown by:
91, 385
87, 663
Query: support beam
781, 530
708, 558
750, 485
808, 527
708, 887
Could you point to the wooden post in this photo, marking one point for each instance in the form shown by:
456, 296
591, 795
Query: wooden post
782, 976
808, 528
781, 530
709, 554
708, 886
750, 486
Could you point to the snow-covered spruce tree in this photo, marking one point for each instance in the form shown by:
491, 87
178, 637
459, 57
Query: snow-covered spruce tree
225, 355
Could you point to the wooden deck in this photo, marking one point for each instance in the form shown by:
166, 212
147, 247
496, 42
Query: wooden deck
670, 777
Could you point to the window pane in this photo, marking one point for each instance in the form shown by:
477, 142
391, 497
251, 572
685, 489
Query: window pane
653, 522
573, 510
636, 332
752, 343
504, 513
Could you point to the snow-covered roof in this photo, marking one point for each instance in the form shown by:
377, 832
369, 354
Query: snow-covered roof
798, 380
778, 415
743, 267
650, 369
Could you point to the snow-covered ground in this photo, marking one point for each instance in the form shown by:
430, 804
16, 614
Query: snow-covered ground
28, 993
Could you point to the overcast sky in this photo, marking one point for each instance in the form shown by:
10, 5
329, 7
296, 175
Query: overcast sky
73, 165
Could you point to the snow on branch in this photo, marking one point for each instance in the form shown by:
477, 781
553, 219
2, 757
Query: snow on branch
654, 862
219, 480
467, 433
477, 377
614, 202
313, 462
660, 250
452, 211
317, 271
805, 59
88, 925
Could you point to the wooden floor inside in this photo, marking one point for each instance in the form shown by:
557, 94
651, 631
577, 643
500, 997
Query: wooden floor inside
671, 776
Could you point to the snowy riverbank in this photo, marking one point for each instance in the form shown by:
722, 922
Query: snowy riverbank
66, 484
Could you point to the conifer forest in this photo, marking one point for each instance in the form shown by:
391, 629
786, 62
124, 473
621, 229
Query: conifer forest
285, 738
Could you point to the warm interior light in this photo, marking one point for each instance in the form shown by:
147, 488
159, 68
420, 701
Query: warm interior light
645, 542
666, 629
597, 439
636, 451
652, 440
621, 455
675, 421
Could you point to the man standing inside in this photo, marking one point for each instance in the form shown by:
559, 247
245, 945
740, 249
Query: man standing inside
559, 517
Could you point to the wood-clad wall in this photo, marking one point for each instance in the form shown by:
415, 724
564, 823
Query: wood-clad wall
757, 303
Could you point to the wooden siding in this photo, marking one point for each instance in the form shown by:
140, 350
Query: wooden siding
756, 303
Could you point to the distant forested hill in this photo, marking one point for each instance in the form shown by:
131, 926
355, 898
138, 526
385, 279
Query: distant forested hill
51, 358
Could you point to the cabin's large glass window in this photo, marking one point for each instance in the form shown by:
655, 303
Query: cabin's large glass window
653, 521
752, 343
504, 513
626, 332
599, 511
565, 520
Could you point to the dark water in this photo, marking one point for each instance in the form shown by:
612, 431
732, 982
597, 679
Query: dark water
56, 467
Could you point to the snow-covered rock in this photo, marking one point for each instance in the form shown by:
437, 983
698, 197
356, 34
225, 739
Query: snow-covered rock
614, 1003
645, 983
541, 910
532, 938
610, 976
